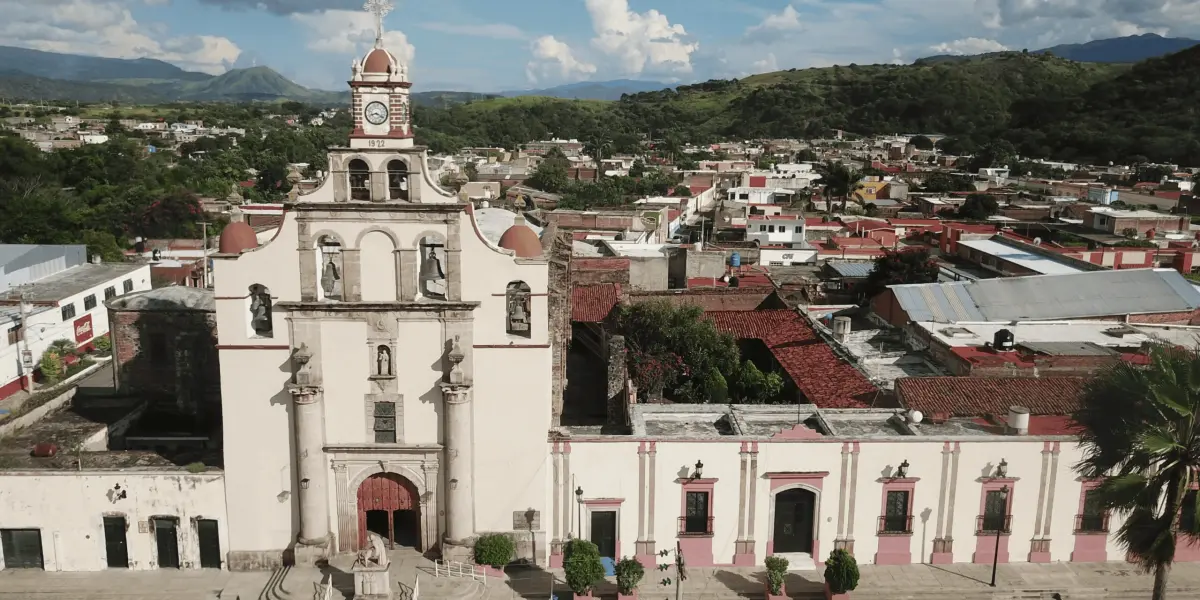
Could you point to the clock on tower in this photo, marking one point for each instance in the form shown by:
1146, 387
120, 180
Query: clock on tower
380, 91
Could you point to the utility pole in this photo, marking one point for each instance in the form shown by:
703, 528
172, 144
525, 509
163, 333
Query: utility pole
204, 230
680, 572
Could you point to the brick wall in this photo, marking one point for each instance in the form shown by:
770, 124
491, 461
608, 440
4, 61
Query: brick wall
168, 356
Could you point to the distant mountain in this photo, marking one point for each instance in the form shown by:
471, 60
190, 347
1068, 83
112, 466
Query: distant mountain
1129, 49
594, 90
75, 67
442, 99
36, 75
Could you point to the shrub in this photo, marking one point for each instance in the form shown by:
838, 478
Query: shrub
196, 467
629, 573
581, 563
777, 567
841, 572
494, 550
51, 366
103, 345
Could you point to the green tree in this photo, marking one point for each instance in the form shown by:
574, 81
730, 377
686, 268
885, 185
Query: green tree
638, 168
551, 175
582, 566
840, 181
900, 267
997, 153
674, 349
979, 207
1139, 434
681, 191
921, 142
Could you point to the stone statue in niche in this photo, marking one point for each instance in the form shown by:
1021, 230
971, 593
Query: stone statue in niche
330, 277
260, 311
383, 361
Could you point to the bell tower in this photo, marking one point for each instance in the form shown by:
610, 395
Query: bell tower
379, 89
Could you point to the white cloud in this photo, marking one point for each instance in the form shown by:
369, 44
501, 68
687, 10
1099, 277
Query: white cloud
107, 28
553, 58
775, 26
639, 42
350, 33
495, 31
968, 46
767, 64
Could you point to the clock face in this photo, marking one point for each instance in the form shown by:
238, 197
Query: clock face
376, 113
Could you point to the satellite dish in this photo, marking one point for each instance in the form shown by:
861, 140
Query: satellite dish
915, 416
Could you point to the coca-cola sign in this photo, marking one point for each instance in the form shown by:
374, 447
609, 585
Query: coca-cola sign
83, 329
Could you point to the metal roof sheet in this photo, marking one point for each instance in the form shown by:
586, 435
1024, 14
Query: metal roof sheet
1048, 297
852, 269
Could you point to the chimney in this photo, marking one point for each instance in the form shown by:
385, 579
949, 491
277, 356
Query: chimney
1018, 420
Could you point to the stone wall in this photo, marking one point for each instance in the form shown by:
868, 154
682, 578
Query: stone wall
168, 355
559, 306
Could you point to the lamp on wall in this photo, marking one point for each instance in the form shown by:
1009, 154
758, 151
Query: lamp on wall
304, 483
1002, 468
699, 471
902, 470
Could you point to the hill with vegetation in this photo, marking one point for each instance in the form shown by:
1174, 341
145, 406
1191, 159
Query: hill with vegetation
1129, 49
1046, 106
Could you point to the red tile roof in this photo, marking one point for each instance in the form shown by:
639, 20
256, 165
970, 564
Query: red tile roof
823, 378
592, 303
979, 396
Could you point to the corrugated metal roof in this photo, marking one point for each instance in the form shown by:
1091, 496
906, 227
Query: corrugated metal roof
1068, 349
851, 269
1046, 297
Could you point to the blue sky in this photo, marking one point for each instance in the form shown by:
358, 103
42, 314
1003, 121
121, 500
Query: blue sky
491, 45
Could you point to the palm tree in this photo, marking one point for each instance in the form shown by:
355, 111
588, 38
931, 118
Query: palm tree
840, 181
596, 148
1140, 434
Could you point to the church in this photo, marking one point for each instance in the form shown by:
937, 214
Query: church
385, 366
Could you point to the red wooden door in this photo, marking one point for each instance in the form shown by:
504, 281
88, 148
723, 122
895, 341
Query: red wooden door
386, 492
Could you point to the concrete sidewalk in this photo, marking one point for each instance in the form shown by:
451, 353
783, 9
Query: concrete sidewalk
1023, 581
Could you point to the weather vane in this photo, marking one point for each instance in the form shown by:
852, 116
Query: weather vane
379, 8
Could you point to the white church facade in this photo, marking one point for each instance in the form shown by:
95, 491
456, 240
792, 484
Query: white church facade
386, 366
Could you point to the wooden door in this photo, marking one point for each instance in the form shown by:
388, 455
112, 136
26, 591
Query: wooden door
115, 543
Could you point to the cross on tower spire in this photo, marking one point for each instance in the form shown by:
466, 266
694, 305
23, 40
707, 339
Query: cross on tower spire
379, 8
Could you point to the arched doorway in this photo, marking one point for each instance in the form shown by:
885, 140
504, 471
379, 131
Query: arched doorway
388, 505
795, 521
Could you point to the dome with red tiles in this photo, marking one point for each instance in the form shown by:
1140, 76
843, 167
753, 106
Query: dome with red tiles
237, 238
379, 61
522, 240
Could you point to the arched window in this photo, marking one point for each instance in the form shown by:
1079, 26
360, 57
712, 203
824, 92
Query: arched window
397, 172
519, 310
433, 267
330, 268
360, 180
260, 311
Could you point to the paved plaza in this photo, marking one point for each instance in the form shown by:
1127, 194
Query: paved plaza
925, 582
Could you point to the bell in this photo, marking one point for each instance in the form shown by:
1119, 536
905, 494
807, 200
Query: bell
432, 269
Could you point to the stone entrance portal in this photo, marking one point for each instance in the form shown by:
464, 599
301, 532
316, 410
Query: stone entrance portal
795, 512
388, 504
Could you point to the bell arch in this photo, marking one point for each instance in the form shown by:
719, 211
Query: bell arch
358, 174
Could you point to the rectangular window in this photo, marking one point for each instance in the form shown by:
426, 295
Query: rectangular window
127, 286
14, 335
385, 422
1094, 517
1187, 512
68, 312
89, 302
995, 511
770, 229
762, 227
696, 519
895, 517
110, 292
799, 229
744, 196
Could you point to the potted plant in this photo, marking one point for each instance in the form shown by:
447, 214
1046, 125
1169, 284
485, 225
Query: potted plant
841, 575
777, 567
494, 551
629, 574
582, 567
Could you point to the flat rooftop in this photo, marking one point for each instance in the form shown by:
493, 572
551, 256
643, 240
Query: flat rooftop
1101, 333
76, 280
1034, 262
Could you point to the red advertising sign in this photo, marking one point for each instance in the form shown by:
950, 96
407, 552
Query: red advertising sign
83, 329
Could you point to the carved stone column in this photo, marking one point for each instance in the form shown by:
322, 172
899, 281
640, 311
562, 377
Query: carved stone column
460, 509
308, 419
410, 262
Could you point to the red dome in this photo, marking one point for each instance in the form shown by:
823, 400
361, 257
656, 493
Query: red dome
237, 238
378, 61
521, 239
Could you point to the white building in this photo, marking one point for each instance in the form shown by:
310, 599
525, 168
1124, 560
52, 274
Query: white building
775, 230
759, 195
51, 295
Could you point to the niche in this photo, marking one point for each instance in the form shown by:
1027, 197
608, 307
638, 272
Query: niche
260, 311
433, 267
330, 257
517, 299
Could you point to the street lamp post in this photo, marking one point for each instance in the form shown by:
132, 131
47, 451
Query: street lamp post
579, 512
999, 531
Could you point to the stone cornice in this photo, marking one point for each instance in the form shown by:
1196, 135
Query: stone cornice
375, 207
342, 308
